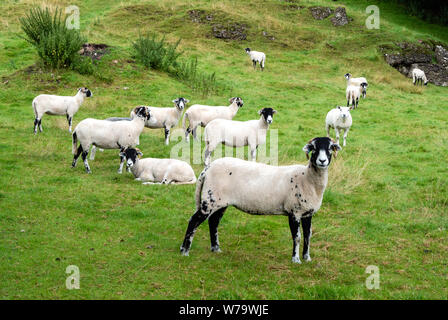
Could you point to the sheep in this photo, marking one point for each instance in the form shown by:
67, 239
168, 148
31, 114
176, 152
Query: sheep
259, 189
353, 92
201, 115
167, 118
58, 105
358, 82
238, 133
338, 118
418, 74
163, 171
256, 56
108, 135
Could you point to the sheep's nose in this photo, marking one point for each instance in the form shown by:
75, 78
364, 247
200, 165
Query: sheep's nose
322, 160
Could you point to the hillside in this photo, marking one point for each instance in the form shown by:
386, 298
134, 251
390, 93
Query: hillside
387, 199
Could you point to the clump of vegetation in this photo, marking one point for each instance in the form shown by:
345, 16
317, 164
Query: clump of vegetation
159, 55
56, 45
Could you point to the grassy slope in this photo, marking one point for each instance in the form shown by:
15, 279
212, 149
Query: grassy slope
386, 203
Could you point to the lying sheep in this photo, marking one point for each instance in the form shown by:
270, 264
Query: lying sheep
163, 171
108, 135
338, 118
238, 133
201, 115
256, 56
353, 93
259, 189
419, 75
58, 105
357, 82
167, 118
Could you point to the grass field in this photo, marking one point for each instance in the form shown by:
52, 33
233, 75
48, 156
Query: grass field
386, 203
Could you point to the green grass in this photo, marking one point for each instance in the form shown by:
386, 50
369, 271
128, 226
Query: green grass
386, 203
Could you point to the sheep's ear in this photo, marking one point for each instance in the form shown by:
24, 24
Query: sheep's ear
308, 148
186, 100
122, 154
260, 111
339, 107
274, 111
139, 153
335, 147
176, 101
232, 99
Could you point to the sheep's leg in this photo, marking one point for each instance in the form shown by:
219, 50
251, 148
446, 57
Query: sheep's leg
187, 134
92, 153
254, 62
213, 222
122, 159
193, 224
76, 156
345, 135
167, 136
40, 125
294, 225
194, 132
327, 127
306, 226
86, 163
336, 130
207, 154
36, 124
357, 100
253, 154
69, 120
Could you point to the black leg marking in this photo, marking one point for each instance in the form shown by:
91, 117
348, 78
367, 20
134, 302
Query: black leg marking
40, 125
306, 226
36, 123
84, 158
167, 134
76, 156
213, 222
193, 224
254, 64
294, 226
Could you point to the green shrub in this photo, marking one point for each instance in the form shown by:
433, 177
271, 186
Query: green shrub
199, 81
56, 45
156, 54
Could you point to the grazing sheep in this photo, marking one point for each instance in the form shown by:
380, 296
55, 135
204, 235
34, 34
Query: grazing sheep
357, 82
163, 171
256, 188
201, 115
167, 118
338, 118
108, 135
419, 75
58, 105
256, 56
353, 93
238, 133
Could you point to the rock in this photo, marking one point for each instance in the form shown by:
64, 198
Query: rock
435, 73
200, 16
93, 50
320, 13
268, 36
441, 56
231, 31
340, 17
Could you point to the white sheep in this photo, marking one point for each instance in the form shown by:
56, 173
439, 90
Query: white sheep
163, 171
338, 118
256, 56
419, 75
259, 189
238, 133
167, 118
108, 135
357, 82
58, 105
353, 93
201, 115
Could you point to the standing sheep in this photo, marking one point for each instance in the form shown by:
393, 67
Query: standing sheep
295, 191
163, 171
108, 135
201, 115
419, 75
338, 118
357, 82
353, 93
256, 56
167, 118
238, 133
58, 105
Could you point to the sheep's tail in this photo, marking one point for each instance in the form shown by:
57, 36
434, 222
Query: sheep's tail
263, 61
184, 120
199, 185
34, 108
74, 142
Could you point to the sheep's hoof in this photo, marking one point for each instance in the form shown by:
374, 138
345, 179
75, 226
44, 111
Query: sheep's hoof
216, 249
119, 171
307, 258
184, 252
296, 260
88, 172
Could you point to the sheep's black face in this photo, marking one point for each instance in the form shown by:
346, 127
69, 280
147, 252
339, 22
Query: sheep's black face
321, 150
347, 76
247, 50
131, 156
86, 91
142, 112
181, 103
268, 114
239, 102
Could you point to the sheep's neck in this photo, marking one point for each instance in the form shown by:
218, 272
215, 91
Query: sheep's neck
139, 124
135, 169
234, 109
79, 97
317, 177
262, 124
